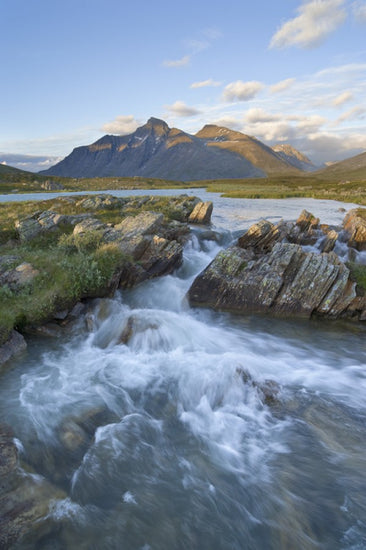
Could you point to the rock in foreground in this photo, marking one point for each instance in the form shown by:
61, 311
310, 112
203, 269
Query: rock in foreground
268, 274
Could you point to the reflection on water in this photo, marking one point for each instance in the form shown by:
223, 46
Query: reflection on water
155, 425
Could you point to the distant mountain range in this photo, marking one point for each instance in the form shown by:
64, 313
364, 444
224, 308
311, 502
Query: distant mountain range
157, 151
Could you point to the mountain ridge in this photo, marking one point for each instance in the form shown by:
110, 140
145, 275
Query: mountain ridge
156, 150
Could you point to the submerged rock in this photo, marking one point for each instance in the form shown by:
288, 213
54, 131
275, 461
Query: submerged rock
25, 498
14, 345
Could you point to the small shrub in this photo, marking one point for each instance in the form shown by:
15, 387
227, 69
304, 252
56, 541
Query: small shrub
358, 273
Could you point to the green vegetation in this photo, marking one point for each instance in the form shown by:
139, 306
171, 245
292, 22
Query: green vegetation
358, 273
283, 187
66, 274
68, 267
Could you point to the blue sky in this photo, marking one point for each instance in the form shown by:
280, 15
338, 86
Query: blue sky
285, 72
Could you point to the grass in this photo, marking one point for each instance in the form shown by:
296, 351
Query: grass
358, 273
282, 187
70, 267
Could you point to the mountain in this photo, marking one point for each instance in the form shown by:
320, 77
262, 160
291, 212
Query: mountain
290, 155
6, 169
255, 151
155, 150
351, 169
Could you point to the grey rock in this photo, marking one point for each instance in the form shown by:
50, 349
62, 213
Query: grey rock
273, 276
14, 345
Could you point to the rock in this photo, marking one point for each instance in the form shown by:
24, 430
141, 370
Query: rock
146, 223
355, 225
201, 213
306, 230
27, 228
50, 185
268, 390
8, 453
89, 224
329, 242
25, 499
307, 221
161, 257
285, 281
14, 345
20, 276
102, 201
260, 236
40, 222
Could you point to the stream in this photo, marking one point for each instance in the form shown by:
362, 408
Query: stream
186, 451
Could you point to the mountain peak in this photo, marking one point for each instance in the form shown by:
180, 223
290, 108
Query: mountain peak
157, 123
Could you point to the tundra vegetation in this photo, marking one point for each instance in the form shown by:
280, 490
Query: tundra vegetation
54, 268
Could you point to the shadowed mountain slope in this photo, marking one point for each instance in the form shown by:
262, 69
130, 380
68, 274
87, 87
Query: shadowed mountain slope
155, 150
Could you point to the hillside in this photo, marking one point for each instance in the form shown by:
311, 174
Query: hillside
157, 151
351, 169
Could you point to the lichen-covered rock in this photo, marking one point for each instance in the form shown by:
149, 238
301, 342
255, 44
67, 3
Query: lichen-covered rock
355, 225
286, 281
40, 222
201, 213
145, 223
18, 277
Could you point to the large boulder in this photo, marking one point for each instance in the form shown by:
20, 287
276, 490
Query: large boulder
265, 273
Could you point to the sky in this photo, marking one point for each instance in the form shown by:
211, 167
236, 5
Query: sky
284, 72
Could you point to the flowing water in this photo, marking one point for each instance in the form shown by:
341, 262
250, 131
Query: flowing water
188, 453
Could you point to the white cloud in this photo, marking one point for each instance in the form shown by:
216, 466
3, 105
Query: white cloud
316, 20
241, 91
121, 125
228, 122
182, 62
180, 109
205, 83
355, 113
342, 98
281, 86
31, 163
257, 115
359, 11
